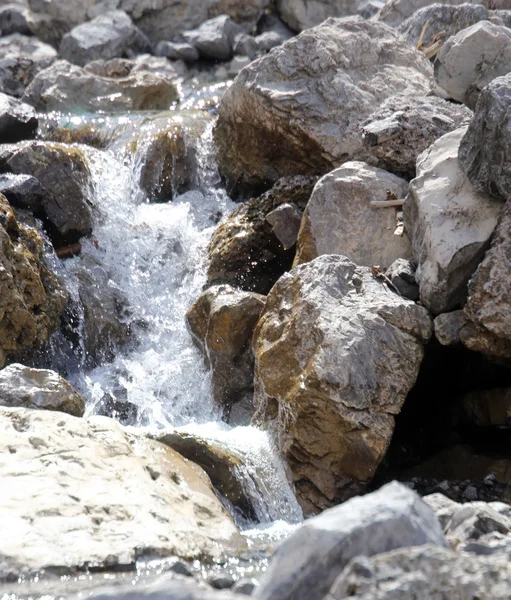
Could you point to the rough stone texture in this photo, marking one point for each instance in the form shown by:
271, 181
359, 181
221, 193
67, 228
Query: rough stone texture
336, 354
23, 191
448, 327
13, 19
31, 297
21, 58
444, 21
244, 250
222, 321
471, 59
18, 121
268, 40
303, 14
424, 573
405, 126
129, 86
17, 18
401, 274
396, 11
449, 224
298, 110
339, 218
306, 564
214, 39
107, 497
485, 150
285, 222
489, 293
63, 171
108, 36
21, 386
488, 408
177, 51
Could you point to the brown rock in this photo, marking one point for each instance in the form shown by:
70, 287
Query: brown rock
488, 407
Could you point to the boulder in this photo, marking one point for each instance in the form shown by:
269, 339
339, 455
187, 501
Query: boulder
63, 171
440, 22
127, 86
31, 297
177, 51
244, 251
13, 19
448, 327
303, 14
110, 35
285, 222
23, 191
17, 18
485, 150
214, 39
222, 321
423, 573
38, 388
306, 564
449, 223
488, 408
245, 45
298, 110
341, 219
18, 121
471, 59
21, 58
107, 497
268, 40
396, 11
336, 353
404, 126
401, 275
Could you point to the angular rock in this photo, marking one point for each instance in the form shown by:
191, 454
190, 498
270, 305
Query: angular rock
177, 51
244, 250
110, 35
268, 40
64, 86
485, 150
471, 59
396, 11
448, 327
63, 171
111, 497
306, 564
18, 121
401, 274
214, 39
31, 297
298, 110
17, 18
340, 219
336, 354
285, 222
245, 45
222, 321
23, 191
488, 408
13, 19
405, 126
423, 573
449, 224
303, 14
22, 386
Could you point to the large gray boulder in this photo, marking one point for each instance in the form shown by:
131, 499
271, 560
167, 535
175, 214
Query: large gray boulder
22, 386
308, 562
298, 110
111, 497
214, 39
18, 121
339, 217
471, 59
303, 14
108, 36
336, 354
396, 11
449, 223
485, 150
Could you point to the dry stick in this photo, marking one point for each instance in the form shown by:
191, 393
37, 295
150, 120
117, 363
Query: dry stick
387, 203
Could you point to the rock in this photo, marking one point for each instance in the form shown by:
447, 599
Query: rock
489, 296
331, 392
177, 51
396, 11
67, 87
339, 216
404, 126
485, 150
370, 8
63, 171
473, 520
448, 327
220, 581
422, 573
110, 496
32, 298
222, 321
23, 191
17, 18
306, 564
488, 408
471, 59
268, 40
443, 507
303, 14
244, 250
401, 273
13, 19
449, 224
237, 64
110, 35
38, 388
270, 21
21, 58
245, 45
180, 567
214, 39
18, 120
285, 222
443, 21
298, 110
245, 586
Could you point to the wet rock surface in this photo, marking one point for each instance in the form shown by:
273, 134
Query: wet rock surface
18, 121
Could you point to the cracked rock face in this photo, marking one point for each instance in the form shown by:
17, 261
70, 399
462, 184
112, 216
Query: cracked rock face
352, 350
